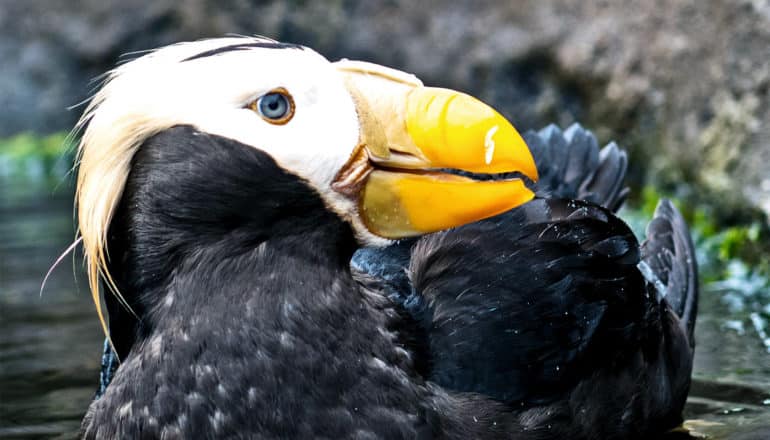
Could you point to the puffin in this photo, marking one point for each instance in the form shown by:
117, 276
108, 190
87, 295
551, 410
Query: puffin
225, 185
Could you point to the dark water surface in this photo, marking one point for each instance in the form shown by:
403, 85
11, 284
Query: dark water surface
50, 346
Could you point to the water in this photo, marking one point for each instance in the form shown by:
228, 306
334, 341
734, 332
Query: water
49, 358
50, 346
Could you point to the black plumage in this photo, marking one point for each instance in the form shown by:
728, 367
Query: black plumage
273, 337
535, 324
553, 315
571, 166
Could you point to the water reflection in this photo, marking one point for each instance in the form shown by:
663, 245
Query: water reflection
50, 346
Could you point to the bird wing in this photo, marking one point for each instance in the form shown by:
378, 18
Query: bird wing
546, 308
669, 264
516, 307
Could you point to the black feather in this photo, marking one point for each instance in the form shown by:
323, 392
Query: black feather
243, 46
518, 303
545, 308
571, 166
671, 267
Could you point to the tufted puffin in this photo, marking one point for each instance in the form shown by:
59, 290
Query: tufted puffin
224, 186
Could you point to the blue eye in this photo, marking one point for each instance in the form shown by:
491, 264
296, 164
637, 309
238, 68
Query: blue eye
276, 107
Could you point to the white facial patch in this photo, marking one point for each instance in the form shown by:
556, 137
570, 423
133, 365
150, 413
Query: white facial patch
209, 84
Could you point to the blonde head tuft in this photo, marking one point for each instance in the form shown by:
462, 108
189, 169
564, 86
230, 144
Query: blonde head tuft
124, 113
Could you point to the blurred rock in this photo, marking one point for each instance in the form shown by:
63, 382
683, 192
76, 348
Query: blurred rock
682, 83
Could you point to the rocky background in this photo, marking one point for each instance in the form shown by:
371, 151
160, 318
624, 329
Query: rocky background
683, 84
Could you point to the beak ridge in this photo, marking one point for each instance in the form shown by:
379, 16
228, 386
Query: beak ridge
455, 130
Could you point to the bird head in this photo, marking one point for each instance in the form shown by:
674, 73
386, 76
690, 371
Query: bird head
372, 142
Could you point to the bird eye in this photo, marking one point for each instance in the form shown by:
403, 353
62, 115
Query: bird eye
276, 107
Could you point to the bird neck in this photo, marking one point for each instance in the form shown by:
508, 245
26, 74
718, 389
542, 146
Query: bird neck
246, 279
283, 330
261, 283
202, 219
